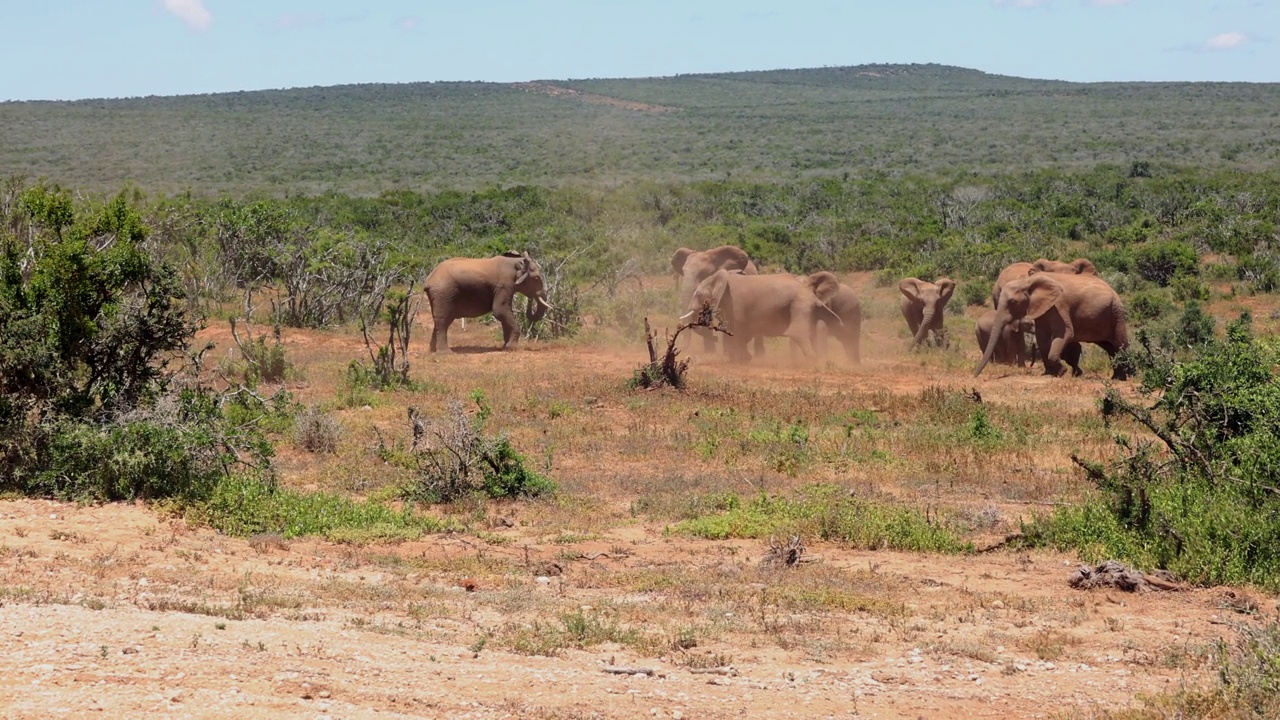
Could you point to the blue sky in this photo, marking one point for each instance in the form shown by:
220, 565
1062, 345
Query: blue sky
67, 49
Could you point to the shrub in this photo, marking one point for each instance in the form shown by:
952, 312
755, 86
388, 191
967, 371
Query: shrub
263, 361
1200, 499
1188, 288
90, 408
975, 293
454, 458
1162, 260
316, 431
1195, 327
1147, 305
388, 365
1261, 271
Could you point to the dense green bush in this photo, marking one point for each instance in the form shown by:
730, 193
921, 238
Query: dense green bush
1147, 305
88, 321
1195, 491
1163, 260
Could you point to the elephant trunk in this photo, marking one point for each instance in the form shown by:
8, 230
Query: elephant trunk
537, 308
925, 322
997, 329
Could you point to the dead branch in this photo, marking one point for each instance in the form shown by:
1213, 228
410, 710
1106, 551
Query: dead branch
669, 371
617, 670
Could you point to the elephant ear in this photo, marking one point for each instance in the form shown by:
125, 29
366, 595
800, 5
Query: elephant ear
1044, 292
910, 287
1041, 265
729, 257
1084, 267
823, 284
947, 288
522, 269
513, 254
678, 259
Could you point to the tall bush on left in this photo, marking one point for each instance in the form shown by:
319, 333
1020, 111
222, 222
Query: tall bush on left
93, 332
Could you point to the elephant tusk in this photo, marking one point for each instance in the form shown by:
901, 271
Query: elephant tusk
688, 315
544, 303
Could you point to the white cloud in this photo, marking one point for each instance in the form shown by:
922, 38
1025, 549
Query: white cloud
409, 23
1105, 3
1226, 41
191, 12
1020, 4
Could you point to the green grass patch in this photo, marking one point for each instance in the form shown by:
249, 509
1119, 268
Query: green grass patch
829, 513
246, 505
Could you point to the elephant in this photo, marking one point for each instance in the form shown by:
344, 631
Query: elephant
1019, 270
470, 287
1011, 348
1067, 310
691, 267
844, 322
1079, 266
757, 306
1015, 271
922, 303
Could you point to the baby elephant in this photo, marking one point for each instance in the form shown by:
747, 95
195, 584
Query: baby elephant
922, 304
1011, 348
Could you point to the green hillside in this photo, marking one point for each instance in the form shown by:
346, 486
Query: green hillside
768, 126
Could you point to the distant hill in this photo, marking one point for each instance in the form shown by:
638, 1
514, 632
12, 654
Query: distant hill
777, 124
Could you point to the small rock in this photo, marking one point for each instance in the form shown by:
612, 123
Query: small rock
997, 605
543, 579
324, 694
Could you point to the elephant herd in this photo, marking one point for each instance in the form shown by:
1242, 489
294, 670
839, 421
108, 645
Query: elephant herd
1062, 304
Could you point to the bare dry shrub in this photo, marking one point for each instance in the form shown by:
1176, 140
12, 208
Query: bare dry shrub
316, 431
669, 372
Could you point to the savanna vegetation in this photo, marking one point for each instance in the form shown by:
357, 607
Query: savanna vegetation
131, 228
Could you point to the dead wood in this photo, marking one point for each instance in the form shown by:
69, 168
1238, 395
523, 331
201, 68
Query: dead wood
1113, 574
618, 670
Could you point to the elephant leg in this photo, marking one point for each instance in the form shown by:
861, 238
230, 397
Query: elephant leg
853, 346
440, 336
802, 344
1053, 359
736, 348
510, 330
759, 346
820, 341
1071, 356
1119, 368
1063, 351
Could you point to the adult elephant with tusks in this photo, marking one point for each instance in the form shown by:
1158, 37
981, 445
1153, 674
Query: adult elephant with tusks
1067, 310
470, 287
757, 306
922, 304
